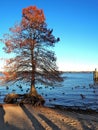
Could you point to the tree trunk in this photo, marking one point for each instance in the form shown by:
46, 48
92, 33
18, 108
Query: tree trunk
33, 90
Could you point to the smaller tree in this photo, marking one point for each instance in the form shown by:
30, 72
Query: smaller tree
33, 59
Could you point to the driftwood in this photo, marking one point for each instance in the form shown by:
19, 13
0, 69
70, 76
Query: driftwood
24, 99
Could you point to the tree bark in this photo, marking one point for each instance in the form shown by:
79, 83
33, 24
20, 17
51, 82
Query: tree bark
33, 90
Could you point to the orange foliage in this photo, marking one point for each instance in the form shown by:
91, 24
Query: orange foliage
32, 15
17, 28
9, 76
8, 43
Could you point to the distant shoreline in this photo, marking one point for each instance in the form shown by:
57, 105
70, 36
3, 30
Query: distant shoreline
68, 71
76, 71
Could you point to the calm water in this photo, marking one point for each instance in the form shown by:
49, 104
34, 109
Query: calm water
78, 90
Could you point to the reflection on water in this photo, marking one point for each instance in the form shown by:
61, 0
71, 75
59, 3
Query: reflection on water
78, 90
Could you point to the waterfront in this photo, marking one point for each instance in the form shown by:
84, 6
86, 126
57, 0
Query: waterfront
77, 91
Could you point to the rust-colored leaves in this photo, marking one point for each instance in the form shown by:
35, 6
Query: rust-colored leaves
32, 16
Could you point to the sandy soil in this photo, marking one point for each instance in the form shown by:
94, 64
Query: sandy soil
13, 117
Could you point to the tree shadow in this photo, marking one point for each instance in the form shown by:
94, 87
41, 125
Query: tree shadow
84, 123
5, 125
34, 121
49, 122
87, 120
87, 125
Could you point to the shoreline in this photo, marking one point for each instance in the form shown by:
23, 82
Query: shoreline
59, 107
76, 109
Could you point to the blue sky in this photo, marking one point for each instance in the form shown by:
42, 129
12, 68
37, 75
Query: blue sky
74, 21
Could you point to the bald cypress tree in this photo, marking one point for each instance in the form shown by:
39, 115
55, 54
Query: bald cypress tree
31, 43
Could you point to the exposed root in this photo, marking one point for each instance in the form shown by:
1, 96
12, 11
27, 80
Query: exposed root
24, 99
